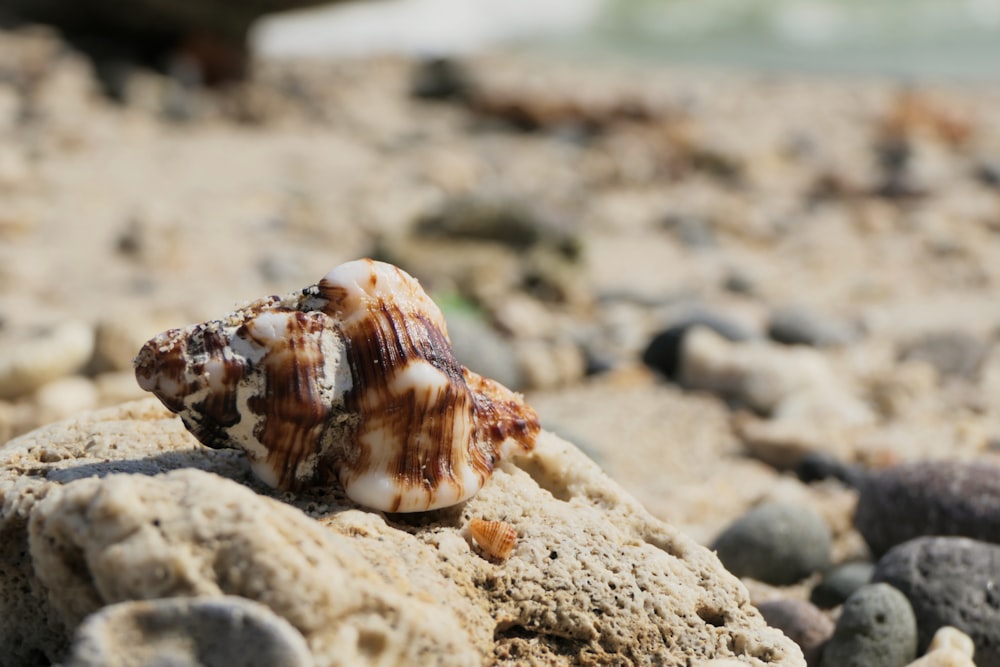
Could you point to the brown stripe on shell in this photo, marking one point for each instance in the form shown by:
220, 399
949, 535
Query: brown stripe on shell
293, 414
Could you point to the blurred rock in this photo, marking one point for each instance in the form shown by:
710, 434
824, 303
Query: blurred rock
477, 345
188, 632
839, 583
32, 355
663, 352
547, 363
949, 581
929, 498
757, 374
952, 353
775, 543
802, 622
876, 628
785, 443
799, 325
819, 465
65, 397
440, 79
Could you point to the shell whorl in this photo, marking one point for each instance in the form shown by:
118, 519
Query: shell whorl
353, 378
430, 430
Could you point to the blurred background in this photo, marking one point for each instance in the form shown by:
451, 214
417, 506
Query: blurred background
923, 38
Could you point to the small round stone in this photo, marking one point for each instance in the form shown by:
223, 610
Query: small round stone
663, 353
912, 500
950, 581
188, 632
876, 628
776, 543
952, 353
801, 622
798, 325
839, 583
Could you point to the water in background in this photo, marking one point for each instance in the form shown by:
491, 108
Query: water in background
935, 38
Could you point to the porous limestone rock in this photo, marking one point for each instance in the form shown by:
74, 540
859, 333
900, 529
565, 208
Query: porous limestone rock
111, 507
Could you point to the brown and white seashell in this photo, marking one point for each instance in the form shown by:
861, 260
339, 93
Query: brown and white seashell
496, 538
353, 377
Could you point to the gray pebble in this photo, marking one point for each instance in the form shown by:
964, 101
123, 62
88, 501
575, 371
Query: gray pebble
839, 583
952, 353
950, 581
801, 622
929, 498
876, 628
477, 345
663, 352
188, 632
776, 543
798, 325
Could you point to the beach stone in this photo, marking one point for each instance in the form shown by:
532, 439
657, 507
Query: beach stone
839, 583
663, 352
32, 355
950, 581
65, 397
911, 500
950, 648
799, 325
122, 505
876, 628
802, 622
818, 466
757, 374
951, 353
777, 543
480, 347
188, 632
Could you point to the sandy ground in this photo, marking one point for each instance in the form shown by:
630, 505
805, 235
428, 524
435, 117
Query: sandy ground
684, 190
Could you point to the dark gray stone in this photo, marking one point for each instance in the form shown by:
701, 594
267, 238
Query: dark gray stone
188, 632
801, 622
876, 628
950, 581
818, 466
929, 498
839, 583
663, 353
798, 325
776, 543
952, 353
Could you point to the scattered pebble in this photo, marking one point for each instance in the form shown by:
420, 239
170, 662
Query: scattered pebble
929, 498
950, 648
950, 581
798, 325
482, 349
663, 353
839, 583
802, 622
34, 355
952, 353
818, 466
776, 543
876, 628
188, 632
65, 397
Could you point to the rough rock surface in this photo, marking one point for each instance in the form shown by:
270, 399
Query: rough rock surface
930, 498
950, 581
95, 512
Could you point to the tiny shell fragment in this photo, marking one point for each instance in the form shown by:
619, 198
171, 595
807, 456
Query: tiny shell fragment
353, 378
496, 538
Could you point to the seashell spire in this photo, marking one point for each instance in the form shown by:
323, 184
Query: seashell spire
354, 378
